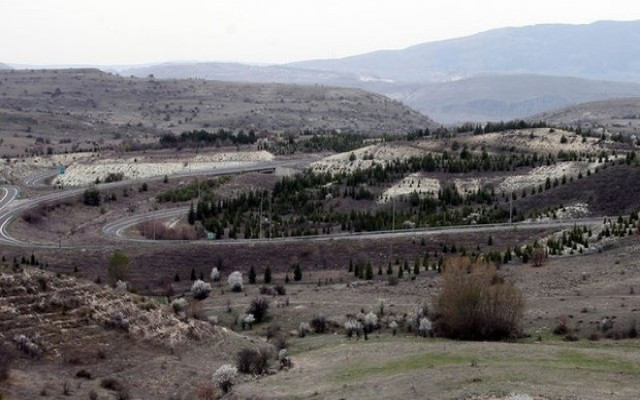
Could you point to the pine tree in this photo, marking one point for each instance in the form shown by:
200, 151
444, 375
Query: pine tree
351, 265
252, 275
380, 270
356, 270
416, 267
490, 241
286, 278
297, 273
400, 272
176, 278
369, 273
192, 215
267, 275
193, 274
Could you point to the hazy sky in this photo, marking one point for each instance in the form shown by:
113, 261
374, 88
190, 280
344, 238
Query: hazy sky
143, 31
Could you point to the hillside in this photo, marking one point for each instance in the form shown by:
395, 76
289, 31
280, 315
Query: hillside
92, 103
505, 97
616, 116
4, 66
60, 325
602, 50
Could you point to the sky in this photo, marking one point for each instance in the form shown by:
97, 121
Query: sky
123, 32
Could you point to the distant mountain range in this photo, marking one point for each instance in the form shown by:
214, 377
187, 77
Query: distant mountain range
603, 51
495, 75
4, 66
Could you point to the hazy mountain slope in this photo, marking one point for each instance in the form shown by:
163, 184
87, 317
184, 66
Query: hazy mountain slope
503, 97
602, 50
85, 102
4, 66
236, 72
616, 116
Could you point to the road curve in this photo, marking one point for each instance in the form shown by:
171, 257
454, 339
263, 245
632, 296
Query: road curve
9, 210
117, 230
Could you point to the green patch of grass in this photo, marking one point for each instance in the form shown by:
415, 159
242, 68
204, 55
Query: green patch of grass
399, 366
576, 359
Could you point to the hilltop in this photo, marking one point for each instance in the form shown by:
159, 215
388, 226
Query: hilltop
89, 103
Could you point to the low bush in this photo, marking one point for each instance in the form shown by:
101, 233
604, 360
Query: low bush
252, 361
259, 307
477, 304
200, 290
235, 281
319, 324
224, 376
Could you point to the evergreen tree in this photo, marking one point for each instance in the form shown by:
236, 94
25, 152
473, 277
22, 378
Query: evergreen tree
400, 272
389, 269
380, 270
490, 241
369, 273
252, 275
267, 275
193, 274
297, 273
286, 278
351, 265
192, 215
176, 278
416, 267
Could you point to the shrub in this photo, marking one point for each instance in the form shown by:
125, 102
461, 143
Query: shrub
28, 346
297, 273
215, 274
179, 305
122, 392
224, 376
352, 326
280, 290
259, 307
394, 327
119, 321
235, 281
303, 329
252, 361
370, 322
319, 324
475, 303
200, 290
248, 319
118, 266
91, 197
122, 286
424, 328
561, 327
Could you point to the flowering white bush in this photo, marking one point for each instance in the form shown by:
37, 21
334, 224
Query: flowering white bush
213, 320
393, 326
303, 329
28, 346
235, 281
179, 305
223, 377
282, 354
425, 326
215, 274
352, 326
370, 321
200, 290
249, 319
122, 286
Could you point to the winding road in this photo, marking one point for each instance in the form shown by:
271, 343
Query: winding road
11, 208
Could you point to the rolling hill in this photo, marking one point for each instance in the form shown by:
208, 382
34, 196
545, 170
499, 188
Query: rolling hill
88, 102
